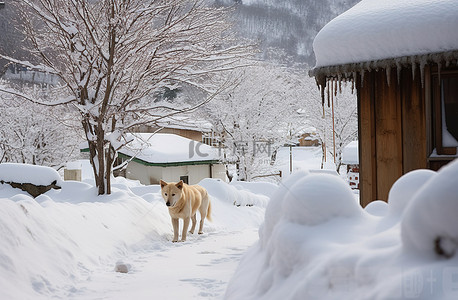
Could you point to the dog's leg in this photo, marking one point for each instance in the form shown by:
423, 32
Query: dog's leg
203, 215
201, 225
185, 229
193, 226
175, 225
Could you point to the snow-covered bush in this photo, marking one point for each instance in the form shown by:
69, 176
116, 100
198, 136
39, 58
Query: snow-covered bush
24, 173
35, 180
430, 222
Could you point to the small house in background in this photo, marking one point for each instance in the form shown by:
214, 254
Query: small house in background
402, 58
350, 158
188, 127
151, 157
309, 138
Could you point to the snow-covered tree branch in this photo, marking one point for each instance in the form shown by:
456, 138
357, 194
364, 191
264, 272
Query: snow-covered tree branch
263, 116
113, 55
33, 134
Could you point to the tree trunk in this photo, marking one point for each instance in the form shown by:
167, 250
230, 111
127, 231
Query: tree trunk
100, 179
97, 156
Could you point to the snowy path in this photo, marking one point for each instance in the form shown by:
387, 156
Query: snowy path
199, 268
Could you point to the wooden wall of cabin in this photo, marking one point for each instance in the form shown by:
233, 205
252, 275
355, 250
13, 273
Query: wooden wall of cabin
392, 130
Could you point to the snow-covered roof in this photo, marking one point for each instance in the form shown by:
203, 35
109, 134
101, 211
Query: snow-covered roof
163, 148
187, 123
413, 31
350, 154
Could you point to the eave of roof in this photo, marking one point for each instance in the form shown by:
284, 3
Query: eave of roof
170, 164
348, 71
165, 165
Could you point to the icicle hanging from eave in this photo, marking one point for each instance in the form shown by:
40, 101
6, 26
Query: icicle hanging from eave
330, 86
348, 71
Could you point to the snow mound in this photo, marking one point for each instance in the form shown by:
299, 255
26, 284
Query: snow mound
430, 223
260, 188
376, 30
321, 248
25, 173
274, 210
317, 198
229, 193
377, 208
405, 188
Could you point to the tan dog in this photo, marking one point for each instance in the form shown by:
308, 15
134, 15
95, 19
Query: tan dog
183, 202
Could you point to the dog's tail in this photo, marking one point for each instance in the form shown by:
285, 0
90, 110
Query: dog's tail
209, 210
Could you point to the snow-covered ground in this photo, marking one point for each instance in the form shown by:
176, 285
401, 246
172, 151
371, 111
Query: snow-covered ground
306, 238
68, 243
317, 243
303, 158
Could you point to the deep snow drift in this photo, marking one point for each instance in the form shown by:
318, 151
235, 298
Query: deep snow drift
63, 243
317, 243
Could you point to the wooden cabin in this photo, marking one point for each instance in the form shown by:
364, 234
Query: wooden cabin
407, 93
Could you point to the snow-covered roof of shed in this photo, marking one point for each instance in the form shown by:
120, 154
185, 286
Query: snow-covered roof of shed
388, 32
185, 122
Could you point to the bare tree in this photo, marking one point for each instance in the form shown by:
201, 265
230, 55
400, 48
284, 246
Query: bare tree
112, 55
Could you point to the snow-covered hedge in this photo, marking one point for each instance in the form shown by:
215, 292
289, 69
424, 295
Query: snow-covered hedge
317, 243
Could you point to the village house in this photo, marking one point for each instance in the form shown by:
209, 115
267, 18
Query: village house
186, 126
150, 157
401, 56
309, 138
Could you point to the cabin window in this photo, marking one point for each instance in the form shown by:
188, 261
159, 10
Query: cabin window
445, 112
185, 179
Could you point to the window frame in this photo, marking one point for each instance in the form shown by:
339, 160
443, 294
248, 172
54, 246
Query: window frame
436, 112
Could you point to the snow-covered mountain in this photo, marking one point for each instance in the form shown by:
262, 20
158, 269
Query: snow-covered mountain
290, 25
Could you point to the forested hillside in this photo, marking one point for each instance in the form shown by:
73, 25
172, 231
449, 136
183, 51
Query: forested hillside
290, 25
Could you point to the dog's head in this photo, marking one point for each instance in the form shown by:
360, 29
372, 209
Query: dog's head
171, 192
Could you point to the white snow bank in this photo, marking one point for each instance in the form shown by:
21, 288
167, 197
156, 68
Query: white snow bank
304, 158
376, 253
259, 188
375, 30
52, 246
25, 173
231, 194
